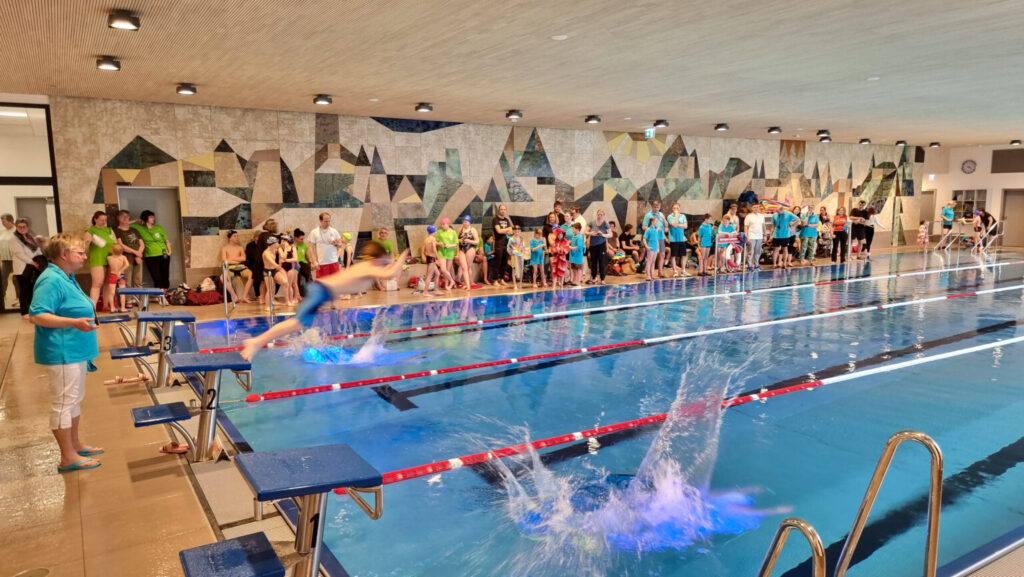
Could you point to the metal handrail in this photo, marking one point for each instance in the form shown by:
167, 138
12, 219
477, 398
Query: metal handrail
934, 501
779, 542
994, 232
224, 289
271, 289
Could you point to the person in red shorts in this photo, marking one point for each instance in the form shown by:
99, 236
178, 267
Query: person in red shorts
324, 242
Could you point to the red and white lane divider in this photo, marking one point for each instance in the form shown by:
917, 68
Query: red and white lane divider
477, 458
254, 397
563, 314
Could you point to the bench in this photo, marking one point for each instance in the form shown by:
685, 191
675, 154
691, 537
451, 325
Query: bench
245, 556
308, 474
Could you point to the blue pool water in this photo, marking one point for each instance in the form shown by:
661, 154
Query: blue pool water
808, 454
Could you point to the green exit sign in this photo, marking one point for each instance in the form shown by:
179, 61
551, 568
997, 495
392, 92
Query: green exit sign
649, 132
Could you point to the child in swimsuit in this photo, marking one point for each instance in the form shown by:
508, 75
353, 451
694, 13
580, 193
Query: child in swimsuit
537, 246
117, 264
374, 264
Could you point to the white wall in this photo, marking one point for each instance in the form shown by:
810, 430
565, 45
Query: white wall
953, 178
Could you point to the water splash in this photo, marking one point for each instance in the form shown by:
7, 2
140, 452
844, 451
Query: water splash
312, 347
580, 524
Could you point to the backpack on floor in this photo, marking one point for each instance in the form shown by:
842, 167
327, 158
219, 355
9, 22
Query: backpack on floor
178, 296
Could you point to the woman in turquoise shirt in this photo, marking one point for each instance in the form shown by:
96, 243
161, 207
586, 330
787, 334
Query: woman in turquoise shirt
101, 240
65, 343
809, 236
157, 254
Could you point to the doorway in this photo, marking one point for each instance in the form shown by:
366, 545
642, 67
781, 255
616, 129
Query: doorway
165, 204
38, 211
926, 212
1013, 216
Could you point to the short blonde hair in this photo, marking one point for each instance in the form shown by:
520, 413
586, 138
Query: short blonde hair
116, 250
59, 243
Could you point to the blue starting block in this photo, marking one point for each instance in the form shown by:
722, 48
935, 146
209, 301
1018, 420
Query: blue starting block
141, 295
121, 320
138, 356
160, 414
246, 556
209, 367
164, 319
308, 474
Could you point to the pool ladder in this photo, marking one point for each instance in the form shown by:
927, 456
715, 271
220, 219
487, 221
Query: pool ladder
818, 550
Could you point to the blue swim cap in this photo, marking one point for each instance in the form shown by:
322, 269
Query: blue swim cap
431, 229
467, 218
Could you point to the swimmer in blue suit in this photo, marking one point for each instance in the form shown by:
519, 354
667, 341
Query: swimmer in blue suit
374, 264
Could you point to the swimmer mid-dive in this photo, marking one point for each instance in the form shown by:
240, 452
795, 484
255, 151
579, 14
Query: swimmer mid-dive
374, 264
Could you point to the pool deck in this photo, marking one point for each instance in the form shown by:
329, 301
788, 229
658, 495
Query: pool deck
133, 514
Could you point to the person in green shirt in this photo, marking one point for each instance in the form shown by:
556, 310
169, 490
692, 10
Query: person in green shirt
447, 246
389, 248
101, 240
157, 254
305, 271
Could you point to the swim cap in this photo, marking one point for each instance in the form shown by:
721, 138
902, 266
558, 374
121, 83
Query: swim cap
446, 220
431, 229
467, 218
346, 235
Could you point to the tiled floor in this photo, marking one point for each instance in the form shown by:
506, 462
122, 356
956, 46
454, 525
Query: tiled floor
134, 513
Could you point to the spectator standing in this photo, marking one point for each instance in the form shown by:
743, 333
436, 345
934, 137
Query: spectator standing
6, 260
157, 252
101, 240
323, 244
65, 343
24, 253
502, 225
132, 245
655, 214
753, 227
599, 233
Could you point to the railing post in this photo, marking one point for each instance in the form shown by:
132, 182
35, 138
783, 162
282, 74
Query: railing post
779, 542
934, 501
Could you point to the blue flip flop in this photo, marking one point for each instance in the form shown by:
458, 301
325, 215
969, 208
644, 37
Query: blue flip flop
79, 465
90, 451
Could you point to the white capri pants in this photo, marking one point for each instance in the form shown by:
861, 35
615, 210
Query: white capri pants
67, 389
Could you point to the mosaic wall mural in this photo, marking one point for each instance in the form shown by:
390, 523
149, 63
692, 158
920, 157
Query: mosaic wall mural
236, 168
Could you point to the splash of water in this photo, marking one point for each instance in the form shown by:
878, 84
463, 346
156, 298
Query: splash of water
313, 347
579, 524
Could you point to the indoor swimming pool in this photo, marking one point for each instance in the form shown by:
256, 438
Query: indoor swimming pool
700, 495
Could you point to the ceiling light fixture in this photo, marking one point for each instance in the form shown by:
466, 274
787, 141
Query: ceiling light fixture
1014, 143
721, 127
865, 141
873, 78
123, 20
424, 107
13, 114
108, 63
901, 143
514, 114
375, 100
323, 99
934, 145
775, 130
661, 124
186, 88
593, 119
560, 37
825, 139
824, 132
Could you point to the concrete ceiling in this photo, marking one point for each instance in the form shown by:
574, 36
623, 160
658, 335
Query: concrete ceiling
946, 71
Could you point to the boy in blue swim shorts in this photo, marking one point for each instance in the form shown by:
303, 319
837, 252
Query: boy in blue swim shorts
374, 264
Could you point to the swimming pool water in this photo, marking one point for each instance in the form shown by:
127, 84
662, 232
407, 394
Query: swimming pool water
811, 451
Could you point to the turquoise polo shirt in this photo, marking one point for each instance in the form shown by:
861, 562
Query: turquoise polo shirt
58, 293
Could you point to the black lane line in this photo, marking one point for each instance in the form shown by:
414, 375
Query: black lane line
401, 399
489, 474
429, 333
914, 512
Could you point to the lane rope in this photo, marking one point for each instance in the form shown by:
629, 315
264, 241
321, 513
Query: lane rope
477, 458
842, 311
626, 306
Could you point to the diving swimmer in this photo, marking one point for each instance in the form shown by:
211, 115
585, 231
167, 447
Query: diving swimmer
374, 264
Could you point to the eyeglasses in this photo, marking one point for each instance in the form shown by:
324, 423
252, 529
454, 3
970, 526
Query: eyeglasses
78, 251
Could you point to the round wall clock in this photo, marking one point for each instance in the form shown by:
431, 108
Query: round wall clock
969, 166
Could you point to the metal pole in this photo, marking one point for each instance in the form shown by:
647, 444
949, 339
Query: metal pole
208, 415
271, 289
779, 542
224, 281
163, 370
309, 533
934, 501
